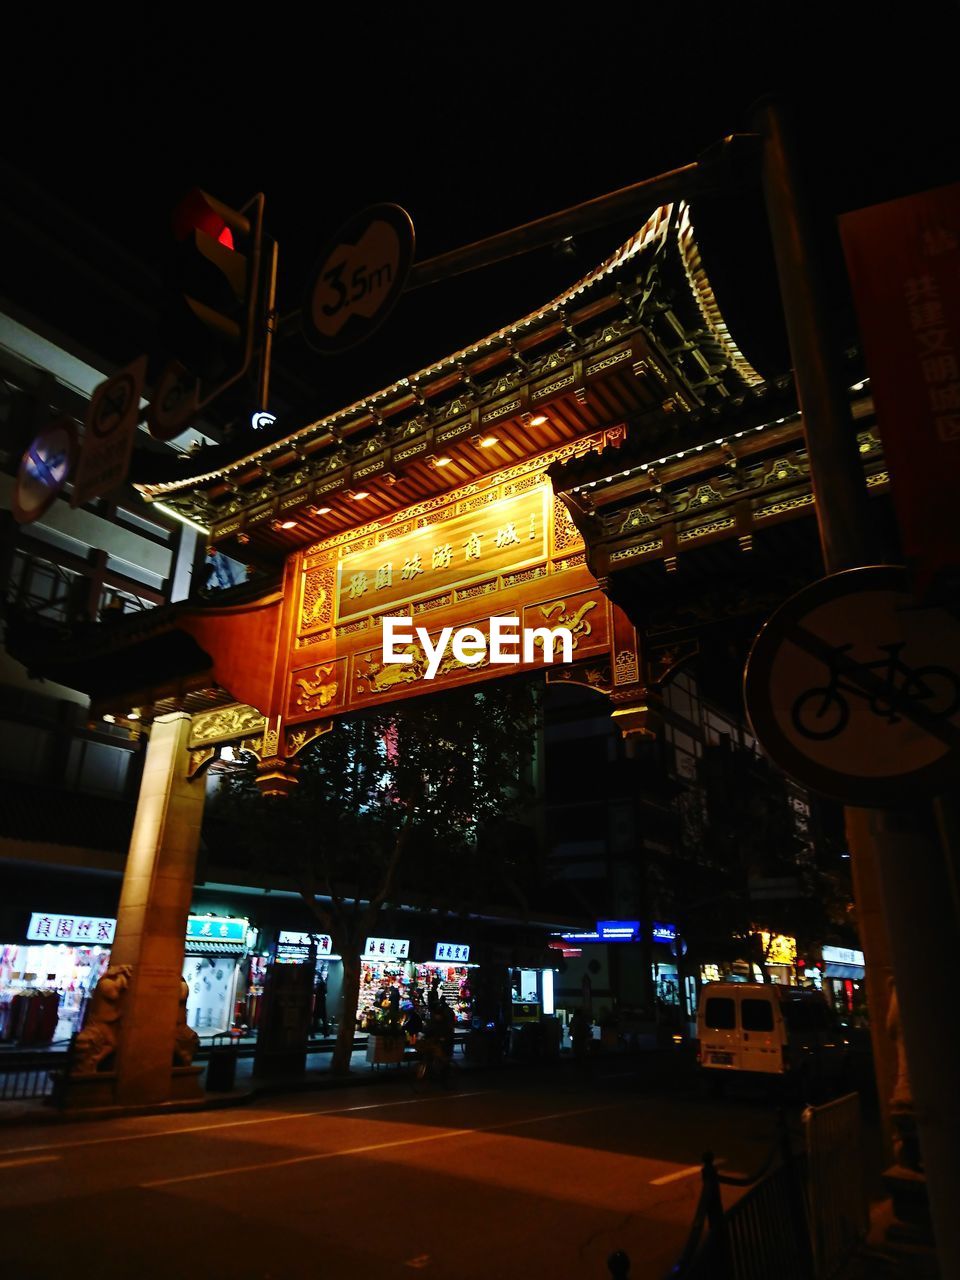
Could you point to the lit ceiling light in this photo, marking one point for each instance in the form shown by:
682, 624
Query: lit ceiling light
133, 715
318, 511
110, 719
487, 441
442, 461
361, 493
279, 525
538, 420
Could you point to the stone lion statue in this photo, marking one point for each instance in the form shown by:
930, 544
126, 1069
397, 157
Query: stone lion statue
185, 1039
96, 1044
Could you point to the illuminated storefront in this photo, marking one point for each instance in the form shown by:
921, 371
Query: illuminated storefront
843, 975
46, 979
62, 956
215, 947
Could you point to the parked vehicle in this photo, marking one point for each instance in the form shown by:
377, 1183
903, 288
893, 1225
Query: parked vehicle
769, 1030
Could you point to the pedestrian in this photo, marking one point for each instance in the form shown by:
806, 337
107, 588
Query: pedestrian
580, 1033
433, 994
320, 1007
448, 1021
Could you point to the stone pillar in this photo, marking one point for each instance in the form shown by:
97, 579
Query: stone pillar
152, 917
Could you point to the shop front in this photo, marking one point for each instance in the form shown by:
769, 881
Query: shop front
387, 975
296, 948
48, 976
215, 950
448, 976
46, 979
843, 975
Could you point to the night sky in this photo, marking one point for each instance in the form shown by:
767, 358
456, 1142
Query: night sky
476, 119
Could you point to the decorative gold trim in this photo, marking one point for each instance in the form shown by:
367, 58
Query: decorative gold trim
788, 504
224, 724
706, 300
701, 531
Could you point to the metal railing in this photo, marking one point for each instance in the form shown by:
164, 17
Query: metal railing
837, 1202
800, 1217
24, 1076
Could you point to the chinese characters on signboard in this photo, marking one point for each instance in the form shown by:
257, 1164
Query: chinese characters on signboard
48, 927
504, 535
452, 951
386, 949
216, 929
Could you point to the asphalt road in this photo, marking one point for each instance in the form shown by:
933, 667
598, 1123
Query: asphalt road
539, 1177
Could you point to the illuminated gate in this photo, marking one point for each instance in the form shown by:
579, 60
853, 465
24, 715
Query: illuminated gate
449, 468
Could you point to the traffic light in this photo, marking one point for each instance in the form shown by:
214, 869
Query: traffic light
213, 308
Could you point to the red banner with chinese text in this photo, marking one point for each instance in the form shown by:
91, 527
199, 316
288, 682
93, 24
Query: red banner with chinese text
904, 263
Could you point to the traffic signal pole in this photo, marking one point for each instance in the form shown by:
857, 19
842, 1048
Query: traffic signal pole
900, 860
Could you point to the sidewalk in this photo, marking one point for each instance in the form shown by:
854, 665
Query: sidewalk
317, 1076
878, 1259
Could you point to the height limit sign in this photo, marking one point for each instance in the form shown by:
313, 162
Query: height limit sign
358, 278
854, 689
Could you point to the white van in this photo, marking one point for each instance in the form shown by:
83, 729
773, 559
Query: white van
769, 1029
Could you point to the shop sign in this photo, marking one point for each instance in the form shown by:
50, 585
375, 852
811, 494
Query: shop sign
47, 927
452, 951
664, 932
322, 941
842, 955
216, 929
778, 948
386, 949
618, 930
581, 937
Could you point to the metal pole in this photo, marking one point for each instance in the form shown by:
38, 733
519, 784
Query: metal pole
640, 198
269, 328
894, 854
835, 470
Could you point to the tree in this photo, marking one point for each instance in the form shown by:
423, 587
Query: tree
408, 803
754, 870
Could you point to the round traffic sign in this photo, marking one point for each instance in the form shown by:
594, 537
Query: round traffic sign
44, 469
174, 403
854, 689
358, 278
113, 402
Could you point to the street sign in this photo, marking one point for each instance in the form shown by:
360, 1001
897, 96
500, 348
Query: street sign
358, 278
174, 403
44, 469
854, 689
109, 430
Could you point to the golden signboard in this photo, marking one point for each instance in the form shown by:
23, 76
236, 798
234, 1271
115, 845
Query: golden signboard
494, 537
503, 546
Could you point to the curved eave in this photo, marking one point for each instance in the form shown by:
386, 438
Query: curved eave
640, 340
409, 391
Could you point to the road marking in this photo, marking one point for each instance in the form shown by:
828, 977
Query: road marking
373, 1146
15, 1164
236, 1124
681, 1173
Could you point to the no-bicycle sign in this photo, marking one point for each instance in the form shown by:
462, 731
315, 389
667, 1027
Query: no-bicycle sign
854, 689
